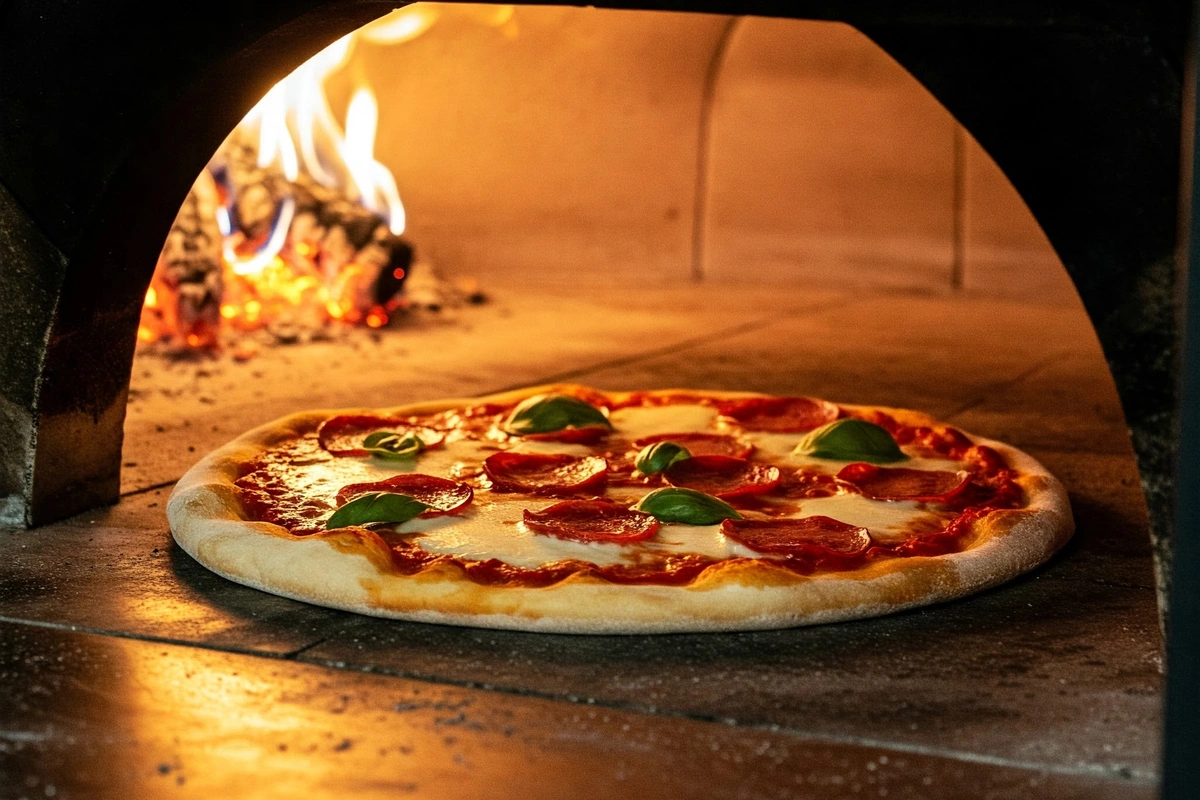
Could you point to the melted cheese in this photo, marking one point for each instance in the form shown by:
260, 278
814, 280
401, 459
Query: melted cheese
323, 477
492, 526
888, 521
637, 423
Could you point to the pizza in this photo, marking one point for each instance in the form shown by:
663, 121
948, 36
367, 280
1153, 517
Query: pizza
566, 509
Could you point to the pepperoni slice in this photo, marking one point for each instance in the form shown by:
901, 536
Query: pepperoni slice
592, 521
442, 496
722, 476
588, 435
622, 471
902, 483
533, 472
343, 435
803, 484
812, 536
702, 444
943, 441
779, 414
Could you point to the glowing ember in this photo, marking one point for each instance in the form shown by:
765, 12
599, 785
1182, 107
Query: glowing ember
294, 225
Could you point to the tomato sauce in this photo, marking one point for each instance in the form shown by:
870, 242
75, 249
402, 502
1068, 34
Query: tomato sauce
270, 493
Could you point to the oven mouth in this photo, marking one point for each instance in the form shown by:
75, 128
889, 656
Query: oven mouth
1080, 110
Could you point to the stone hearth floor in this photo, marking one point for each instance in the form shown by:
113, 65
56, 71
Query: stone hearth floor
129, 671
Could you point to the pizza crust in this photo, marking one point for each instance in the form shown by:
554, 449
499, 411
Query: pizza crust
351, 569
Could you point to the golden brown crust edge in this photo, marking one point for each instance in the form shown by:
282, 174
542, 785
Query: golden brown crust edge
349, 569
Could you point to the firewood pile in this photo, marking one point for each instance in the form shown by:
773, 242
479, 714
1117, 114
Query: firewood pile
255, 258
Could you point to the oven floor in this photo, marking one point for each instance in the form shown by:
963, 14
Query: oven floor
130, 671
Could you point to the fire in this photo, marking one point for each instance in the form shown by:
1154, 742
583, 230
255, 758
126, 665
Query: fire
375, 186
400, 26
304, 219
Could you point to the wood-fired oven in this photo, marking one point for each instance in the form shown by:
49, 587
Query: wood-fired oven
762, 196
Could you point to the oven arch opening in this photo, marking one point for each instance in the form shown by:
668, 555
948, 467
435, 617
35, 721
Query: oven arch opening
1098, 169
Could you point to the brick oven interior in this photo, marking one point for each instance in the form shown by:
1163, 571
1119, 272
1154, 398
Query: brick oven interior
647, 200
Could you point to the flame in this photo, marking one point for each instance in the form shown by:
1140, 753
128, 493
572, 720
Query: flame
401, 25
290, 270
274, 140
313, 119
269, 250
224, 223
502, 14
374, 184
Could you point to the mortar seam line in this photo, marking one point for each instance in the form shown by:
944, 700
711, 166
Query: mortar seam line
151, 488
701, 189
1103, 582
137, 637
685, 344
295, 654
1094, 770
1000, 386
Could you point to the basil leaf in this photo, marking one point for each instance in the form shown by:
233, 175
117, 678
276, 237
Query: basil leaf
376, 507
687, 506
388, 444
851, 440
657, 457
546, 413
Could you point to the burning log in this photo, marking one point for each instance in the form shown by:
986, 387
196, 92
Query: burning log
185, 294
290, 257
399, 258
294, 226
